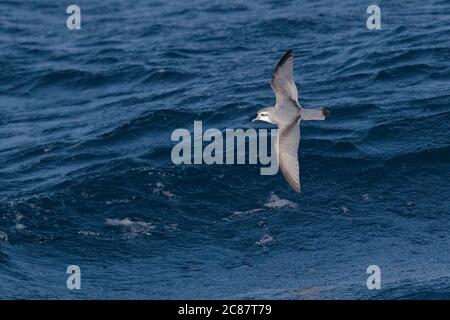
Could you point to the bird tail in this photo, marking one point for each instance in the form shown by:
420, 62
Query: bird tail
314, 114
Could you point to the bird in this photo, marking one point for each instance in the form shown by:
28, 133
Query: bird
287, 114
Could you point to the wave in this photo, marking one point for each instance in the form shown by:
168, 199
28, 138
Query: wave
85, 147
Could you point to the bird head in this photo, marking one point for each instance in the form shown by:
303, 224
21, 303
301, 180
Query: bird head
264, 115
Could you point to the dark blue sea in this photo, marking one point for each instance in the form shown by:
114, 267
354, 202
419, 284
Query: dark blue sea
86, 176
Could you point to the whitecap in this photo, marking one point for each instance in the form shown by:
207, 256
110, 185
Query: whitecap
344, 209
237, 214
240, 213
20, 226
130, 227
265, 240
160, 188
88, 233
3, 237
276, 203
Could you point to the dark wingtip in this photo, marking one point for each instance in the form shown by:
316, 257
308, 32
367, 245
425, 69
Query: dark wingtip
326, 112
286, 56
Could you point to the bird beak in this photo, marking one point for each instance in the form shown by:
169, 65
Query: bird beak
257, 118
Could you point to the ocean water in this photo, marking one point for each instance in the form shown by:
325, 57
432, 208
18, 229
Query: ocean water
85, 171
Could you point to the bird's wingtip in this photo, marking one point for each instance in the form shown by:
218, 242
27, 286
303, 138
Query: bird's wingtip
296, 187
289, 52
284, 58
326, 112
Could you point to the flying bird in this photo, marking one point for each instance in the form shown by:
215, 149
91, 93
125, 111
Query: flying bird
287, 114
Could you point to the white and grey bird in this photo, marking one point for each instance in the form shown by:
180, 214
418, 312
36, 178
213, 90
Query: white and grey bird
287, 114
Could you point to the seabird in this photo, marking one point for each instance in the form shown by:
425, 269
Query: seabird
287, 114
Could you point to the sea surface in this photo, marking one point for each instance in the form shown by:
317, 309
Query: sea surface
86, 176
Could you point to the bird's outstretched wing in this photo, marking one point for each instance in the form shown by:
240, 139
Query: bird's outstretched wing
289, 138
283, 80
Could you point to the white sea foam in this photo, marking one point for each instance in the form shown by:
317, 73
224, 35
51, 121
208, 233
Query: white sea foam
240, 213
20, 226
119, 201
88, 233
265, 240
3, 237
160, 189
276, 203
132, 228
